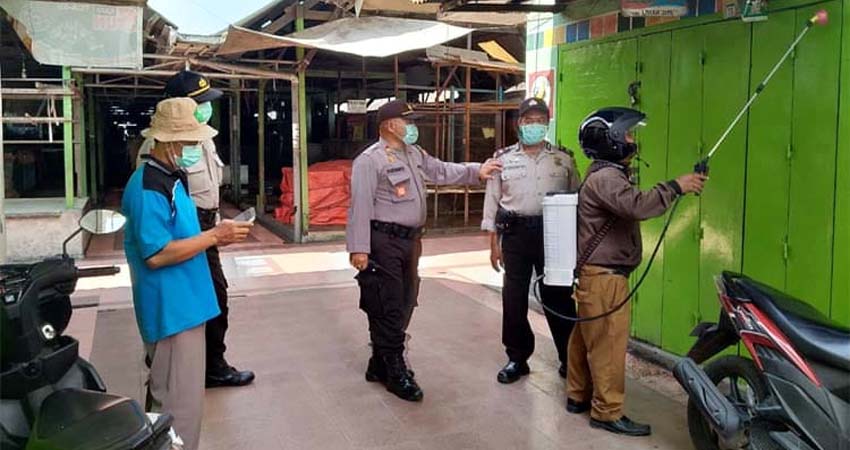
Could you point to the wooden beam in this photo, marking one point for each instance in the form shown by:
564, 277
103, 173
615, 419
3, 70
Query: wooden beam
288, 17
318, 16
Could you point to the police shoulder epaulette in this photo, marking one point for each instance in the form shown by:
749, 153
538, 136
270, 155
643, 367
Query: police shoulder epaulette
503, 151
566, 150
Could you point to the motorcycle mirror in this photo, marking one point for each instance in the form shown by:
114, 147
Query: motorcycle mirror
102, 221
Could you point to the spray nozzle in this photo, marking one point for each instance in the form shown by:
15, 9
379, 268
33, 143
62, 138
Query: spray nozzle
820, 18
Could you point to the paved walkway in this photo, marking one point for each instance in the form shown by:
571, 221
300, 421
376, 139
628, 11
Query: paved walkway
294, 320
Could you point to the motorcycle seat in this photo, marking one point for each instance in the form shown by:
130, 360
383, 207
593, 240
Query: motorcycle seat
69, 418
812, 333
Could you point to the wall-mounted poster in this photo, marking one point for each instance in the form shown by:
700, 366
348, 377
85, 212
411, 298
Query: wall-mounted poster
541, 85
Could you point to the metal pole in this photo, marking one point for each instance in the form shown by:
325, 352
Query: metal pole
80, 155
261, 148
439, 116
304, 205
396, 77
297, 219
68, 138
98, 129
2, 182
235, 144
468, 131
91, 148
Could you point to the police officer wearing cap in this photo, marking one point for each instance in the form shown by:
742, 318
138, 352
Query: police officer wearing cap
204, 178
513, 214
383, 236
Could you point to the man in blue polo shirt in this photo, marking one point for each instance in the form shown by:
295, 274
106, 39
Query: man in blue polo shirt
173, 292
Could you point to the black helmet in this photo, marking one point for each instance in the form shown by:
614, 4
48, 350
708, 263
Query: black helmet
602, 135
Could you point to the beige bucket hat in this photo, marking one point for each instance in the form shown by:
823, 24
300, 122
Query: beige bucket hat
175, 120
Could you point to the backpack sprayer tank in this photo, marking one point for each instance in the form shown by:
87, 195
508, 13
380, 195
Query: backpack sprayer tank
560, 238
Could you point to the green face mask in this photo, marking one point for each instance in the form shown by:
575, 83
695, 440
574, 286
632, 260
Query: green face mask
203, 112
191, 155
411, 134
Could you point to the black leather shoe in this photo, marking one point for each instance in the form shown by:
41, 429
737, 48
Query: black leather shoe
562, 371
512, 372
574, 407
229, 377
377, 373
623, 426
399, 380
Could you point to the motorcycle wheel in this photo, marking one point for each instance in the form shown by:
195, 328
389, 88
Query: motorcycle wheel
734, 376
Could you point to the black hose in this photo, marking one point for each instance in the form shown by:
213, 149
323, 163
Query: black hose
632, 292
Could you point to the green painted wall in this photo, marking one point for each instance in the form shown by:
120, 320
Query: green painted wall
777, 206
841, 258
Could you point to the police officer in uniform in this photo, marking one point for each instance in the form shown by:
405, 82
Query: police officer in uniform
609, 214
204, 178
513, 209
383, 236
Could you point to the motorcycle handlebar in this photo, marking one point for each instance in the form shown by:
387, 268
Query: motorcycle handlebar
98, 271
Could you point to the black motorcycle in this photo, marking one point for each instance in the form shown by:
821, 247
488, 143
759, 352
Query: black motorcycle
793, 394
50, 397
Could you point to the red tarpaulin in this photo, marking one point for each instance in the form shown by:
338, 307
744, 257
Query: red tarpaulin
329, 189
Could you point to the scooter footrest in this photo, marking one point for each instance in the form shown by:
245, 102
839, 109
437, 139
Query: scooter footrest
723, 417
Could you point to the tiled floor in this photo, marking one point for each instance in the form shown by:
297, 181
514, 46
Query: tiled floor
308, 347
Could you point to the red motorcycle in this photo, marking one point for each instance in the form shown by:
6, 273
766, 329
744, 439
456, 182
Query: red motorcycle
793, 394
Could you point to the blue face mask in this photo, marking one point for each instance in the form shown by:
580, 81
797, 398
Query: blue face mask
203, 112
532, 133
411, 134
191, 155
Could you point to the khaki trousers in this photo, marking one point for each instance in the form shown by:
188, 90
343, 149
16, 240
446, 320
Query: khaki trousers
176, 382
597, 350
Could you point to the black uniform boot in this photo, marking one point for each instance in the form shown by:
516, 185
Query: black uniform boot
376, 371
399, 381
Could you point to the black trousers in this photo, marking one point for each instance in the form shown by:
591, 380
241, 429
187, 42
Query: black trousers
522, 253
217, 327
389, 290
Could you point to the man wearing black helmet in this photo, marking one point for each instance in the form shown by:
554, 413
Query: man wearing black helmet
609, 248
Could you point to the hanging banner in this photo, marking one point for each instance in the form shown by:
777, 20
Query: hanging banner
79, 34
654, 8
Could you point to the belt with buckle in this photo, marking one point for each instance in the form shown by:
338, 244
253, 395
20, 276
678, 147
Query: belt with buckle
506, 220
396, 230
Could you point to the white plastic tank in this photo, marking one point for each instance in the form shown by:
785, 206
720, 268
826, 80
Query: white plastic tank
560, 238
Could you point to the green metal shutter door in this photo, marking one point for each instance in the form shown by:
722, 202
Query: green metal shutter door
654, 51
841, 261
592, 77
767, 159
681, 248
725, 90
813, 161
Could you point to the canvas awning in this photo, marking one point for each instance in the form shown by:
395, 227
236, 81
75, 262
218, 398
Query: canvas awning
87, 33
365, 36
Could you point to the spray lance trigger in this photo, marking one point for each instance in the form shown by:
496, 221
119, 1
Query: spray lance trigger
701, 167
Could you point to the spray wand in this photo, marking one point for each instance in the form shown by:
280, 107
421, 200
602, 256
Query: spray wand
821, 18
